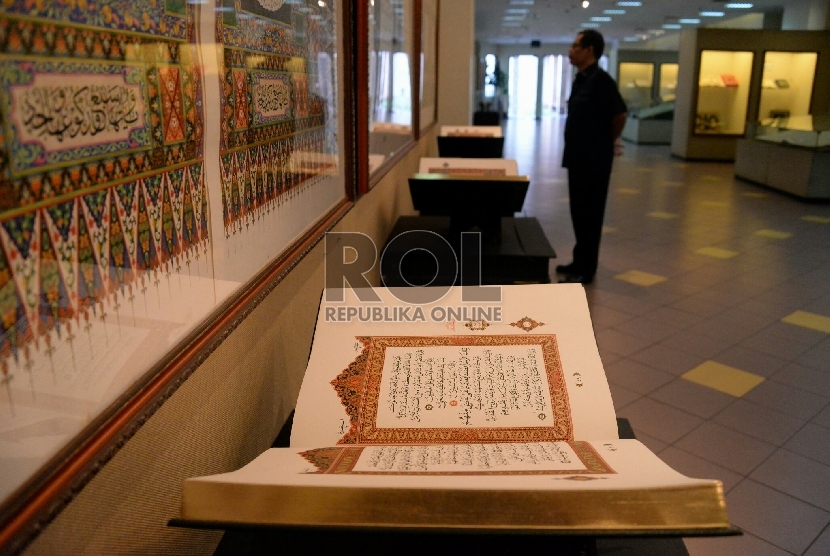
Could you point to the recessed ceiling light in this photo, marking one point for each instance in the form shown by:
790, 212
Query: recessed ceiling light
511, 24
516, 10
630, 4
631, 39
585, 3
672, 26
521, 2
600, 18
689, 21
613, 12
590, 25
739, 5
711, 14
513, 18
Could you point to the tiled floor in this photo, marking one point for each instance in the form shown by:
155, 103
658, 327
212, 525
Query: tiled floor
712, 313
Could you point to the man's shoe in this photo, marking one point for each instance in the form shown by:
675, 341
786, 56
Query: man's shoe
565, 268
576, 279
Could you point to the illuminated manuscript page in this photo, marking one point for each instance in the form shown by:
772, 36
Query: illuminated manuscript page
525, 368
622, 464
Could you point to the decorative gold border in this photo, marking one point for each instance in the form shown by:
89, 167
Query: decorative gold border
342, 460
358, 388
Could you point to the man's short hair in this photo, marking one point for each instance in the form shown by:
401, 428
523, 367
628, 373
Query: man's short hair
593, 38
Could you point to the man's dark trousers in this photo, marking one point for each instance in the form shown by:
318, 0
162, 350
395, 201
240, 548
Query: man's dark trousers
588, 191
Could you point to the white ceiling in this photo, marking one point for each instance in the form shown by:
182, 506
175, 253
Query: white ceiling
558, 21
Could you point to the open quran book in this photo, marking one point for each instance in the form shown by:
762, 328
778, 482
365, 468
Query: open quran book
458, 414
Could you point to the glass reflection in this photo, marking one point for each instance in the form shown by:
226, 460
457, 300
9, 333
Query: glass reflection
429, 19
390, 83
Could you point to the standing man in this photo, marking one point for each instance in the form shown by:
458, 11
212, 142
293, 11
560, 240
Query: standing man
596, 116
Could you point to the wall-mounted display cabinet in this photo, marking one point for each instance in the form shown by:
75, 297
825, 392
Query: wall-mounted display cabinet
729, 79
636, 81
723, 92
787, 84
648, 81
646, 77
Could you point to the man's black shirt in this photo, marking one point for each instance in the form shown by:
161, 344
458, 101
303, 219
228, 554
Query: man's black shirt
593, 103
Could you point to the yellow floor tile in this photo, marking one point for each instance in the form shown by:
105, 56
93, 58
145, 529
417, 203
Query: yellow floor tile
773, 234
712, 178
663, 215
716, 204
608, 230
816, 219
639, 278
628, 191
753, 195
644, 170
723, 378
671, 184
716, 252
812, 321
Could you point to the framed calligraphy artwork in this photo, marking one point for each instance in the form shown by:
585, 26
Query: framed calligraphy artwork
279, 153
160, 163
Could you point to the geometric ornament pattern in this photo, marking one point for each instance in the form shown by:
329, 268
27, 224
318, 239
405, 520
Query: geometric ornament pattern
67, 261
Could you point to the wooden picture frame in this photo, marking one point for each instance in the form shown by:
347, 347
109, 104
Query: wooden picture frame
201, 149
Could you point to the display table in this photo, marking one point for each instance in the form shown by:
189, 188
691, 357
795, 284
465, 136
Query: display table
797, 170
520, 254
650, 126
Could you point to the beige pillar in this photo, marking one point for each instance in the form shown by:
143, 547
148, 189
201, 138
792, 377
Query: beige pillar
456, 62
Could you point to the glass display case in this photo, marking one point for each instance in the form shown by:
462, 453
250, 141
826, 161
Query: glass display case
636, 80
723, 92
787, 85
801, 131
788, 154
668, 82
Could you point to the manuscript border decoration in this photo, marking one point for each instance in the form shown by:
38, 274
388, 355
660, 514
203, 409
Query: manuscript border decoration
358, 388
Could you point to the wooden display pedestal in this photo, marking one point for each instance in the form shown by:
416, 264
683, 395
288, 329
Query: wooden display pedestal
516, 252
